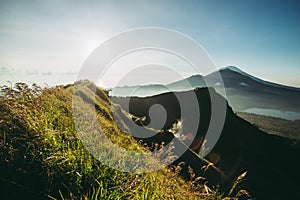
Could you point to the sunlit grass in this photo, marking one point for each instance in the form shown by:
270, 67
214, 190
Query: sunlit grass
41, 153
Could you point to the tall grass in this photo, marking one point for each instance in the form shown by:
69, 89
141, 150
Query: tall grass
42, 157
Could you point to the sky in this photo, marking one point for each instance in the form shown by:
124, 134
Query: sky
46, 39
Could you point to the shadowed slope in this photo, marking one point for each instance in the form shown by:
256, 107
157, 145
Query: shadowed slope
271, 161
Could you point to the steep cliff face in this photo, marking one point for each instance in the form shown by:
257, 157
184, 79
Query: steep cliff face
271, 162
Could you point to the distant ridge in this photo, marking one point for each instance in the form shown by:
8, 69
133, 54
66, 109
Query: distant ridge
244, 92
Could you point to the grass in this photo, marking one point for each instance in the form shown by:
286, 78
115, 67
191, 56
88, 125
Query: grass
42, 157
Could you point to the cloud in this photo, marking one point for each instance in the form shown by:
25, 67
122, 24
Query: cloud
5, 70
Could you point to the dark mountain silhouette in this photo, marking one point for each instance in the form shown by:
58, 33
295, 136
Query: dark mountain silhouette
271, 161
244, 92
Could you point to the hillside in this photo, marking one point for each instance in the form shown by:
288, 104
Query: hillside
271, 161
273, 125
42, 157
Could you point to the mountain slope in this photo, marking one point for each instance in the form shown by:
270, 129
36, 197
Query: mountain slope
42, 156
244, 92
271, 161
235, 69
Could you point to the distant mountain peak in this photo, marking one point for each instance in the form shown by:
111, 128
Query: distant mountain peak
234, 68
237, 70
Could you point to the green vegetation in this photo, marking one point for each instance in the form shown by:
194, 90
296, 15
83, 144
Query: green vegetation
42, 157
273, 125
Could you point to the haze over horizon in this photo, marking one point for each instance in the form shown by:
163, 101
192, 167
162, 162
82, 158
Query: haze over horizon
52, 39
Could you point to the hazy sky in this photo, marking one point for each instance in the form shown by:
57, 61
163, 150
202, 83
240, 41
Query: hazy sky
260, 37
